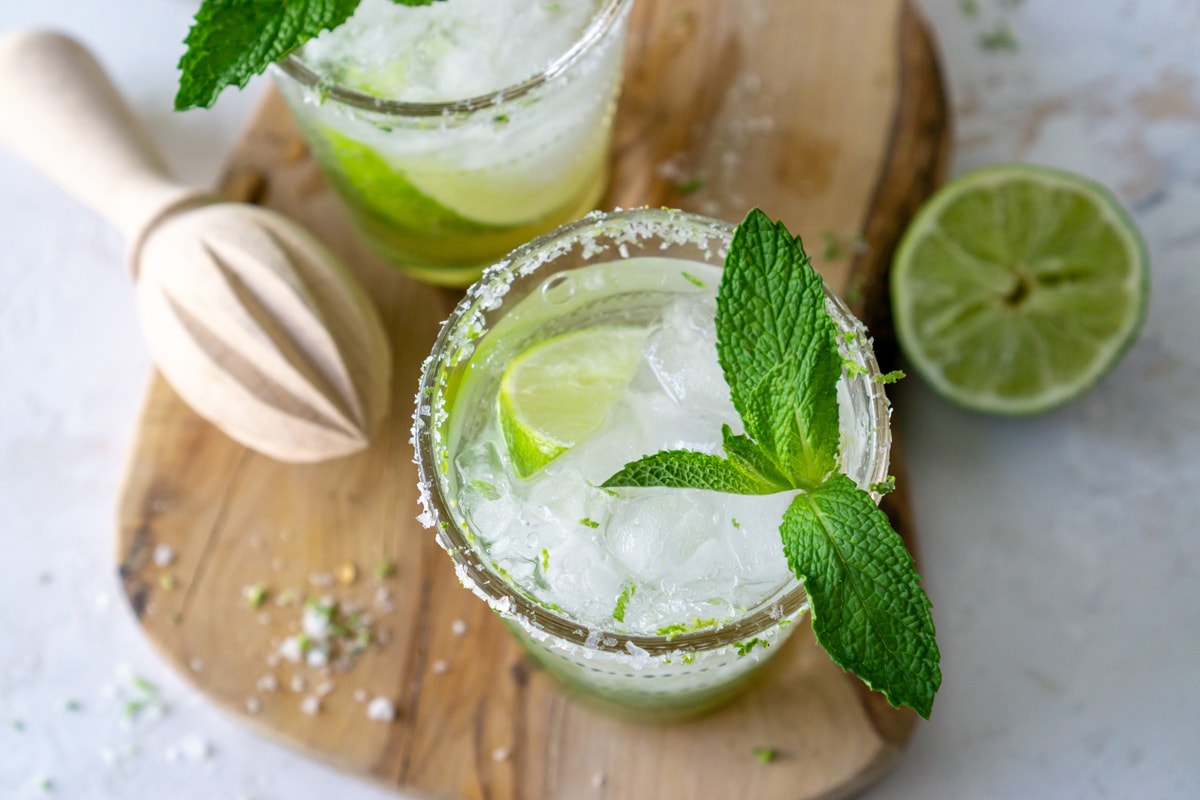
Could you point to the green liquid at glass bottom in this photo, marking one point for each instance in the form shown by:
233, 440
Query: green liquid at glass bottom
419, 235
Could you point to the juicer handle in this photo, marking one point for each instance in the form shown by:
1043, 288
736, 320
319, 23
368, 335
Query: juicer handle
60, 111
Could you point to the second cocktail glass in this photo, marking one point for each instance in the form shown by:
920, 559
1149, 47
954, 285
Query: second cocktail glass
442, 187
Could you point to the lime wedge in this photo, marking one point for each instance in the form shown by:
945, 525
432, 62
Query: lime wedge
559, 392
1017, 287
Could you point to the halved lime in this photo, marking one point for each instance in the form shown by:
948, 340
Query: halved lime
559, 392
1017, 287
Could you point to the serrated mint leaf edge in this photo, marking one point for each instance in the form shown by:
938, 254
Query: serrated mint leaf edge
899, 682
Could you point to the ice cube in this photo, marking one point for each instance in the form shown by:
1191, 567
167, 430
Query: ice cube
652, 535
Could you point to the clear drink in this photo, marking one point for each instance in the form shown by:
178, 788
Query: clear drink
658, 601
457, 131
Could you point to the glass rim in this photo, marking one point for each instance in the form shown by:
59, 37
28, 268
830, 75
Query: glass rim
602, 22
511, 603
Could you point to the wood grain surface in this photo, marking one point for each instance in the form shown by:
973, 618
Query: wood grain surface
827, 114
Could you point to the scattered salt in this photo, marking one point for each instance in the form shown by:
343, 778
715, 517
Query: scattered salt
298, 684
501, 754
310, 705
381, 709
253, 705
458, 627
440, 667
164, 555
292, 649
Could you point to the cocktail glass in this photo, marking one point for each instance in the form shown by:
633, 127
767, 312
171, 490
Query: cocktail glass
442, 189
541, 291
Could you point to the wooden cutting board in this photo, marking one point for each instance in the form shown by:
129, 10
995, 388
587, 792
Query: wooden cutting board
827, 114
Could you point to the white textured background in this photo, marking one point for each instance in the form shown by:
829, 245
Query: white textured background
1061, 552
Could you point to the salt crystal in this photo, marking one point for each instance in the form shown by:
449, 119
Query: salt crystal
361, 695
292, 649
253, 705
317, 617
310, 705
196, 665
381, 709
440, 667
298, 683
501, 754
164, 555
640, 657
458, 627
268, 683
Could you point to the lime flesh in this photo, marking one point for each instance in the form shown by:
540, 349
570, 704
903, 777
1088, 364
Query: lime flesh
1017, 287
559, 392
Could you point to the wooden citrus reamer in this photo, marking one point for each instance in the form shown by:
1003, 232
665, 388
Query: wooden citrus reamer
253, 322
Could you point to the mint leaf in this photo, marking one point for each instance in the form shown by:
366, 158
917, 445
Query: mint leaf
231, 41
777, 347
868, 609
684, 469
745, 454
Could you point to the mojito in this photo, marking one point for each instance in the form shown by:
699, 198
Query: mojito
457, 131
585, 350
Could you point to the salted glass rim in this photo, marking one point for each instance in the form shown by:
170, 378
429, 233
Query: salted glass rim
487, 295
604, 20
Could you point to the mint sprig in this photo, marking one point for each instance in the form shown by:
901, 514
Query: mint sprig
777, 347
778, 350
869, 611
231, 41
